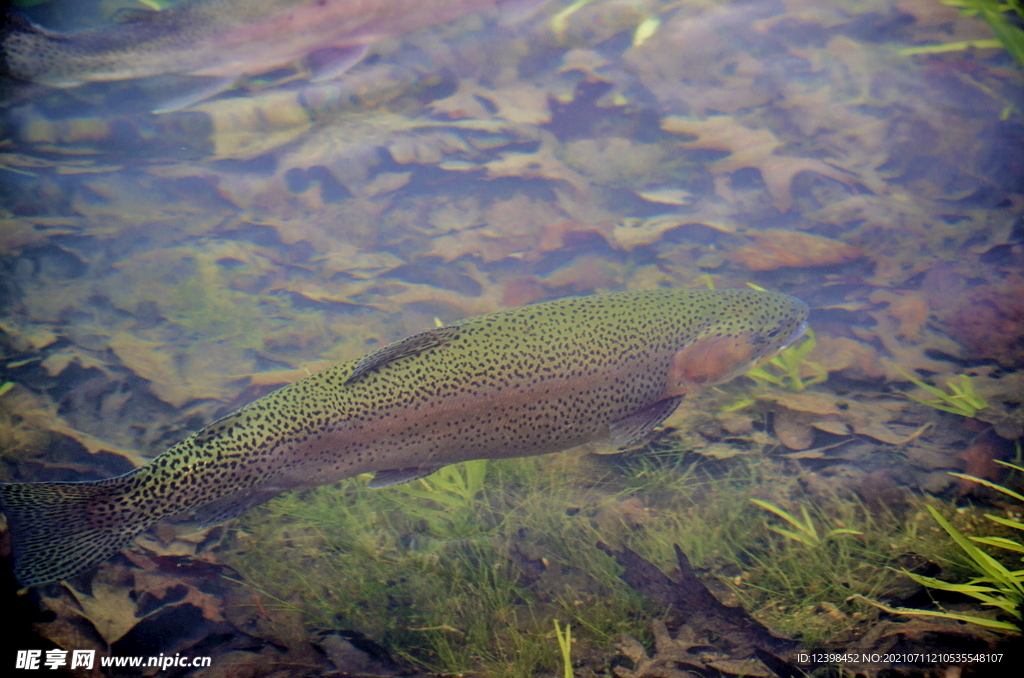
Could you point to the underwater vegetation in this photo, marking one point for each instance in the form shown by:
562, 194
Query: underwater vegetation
806, 532
786, 367
961, 398
158, 272
1005, 18
997, 586
459, 587
565, 646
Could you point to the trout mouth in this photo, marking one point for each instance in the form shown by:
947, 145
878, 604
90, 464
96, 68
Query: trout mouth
797, 333
769, 347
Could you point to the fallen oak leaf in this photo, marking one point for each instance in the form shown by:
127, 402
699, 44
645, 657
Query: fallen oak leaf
110, 605
464, 103
483, 242
855, 359
586, 272
246, 127
520, 103
910, 309
792, 430
70, 628
778, 248
587, 62
172, 383
57, 362
95, 445
778, 173
807, 401
631, 233
542, 164
415, 293
750, 148
160, 576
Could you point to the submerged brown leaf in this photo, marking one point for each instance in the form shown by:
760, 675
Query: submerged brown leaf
110, 605
543, 164
909, 308
520, 226
855, 359
750, 148
778, 248
793, 430
159, 582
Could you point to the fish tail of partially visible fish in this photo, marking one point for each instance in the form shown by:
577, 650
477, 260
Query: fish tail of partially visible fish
57, 526
19, 38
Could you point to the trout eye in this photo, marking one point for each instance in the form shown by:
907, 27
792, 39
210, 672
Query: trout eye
767, 335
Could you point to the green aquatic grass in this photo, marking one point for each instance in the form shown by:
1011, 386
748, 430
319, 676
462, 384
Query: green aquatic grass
997, 586
784, 370
998, 15
203, 304
805, 532
960, 399
442, 592
565, 647
451, 497
474, 582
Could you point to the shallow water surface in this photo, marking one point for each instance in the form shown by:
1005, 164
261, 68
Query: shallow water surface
161, 270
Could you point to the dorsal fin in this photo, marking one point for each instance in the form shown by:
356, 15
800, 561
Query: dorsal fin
413, 345
221, 427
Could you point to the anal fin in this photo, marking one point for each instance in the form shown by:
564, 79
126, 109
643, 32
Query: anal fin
638, 426
397, 476
191, 90
226, 508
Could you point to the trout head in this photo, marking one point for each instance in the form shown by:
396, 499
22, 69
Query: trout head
738, 330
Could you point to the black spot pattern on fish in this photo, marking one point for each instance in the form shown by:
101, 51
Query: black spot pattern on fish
532, 380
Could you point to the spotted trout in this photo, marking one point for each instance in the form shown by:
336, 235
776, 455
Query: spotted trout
224, 39
532, 380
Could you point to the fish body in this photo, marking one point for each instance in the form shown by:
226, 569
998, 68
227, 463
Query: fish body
224, 38
527, 381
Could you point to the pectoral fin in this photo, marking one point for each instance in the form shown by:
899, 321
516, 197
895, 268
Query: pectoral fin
400, 349
397, 476
638, 426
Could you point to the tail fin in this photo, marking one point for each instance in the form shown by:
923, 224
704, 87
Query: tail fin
29, 52
14, 29
57, 531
